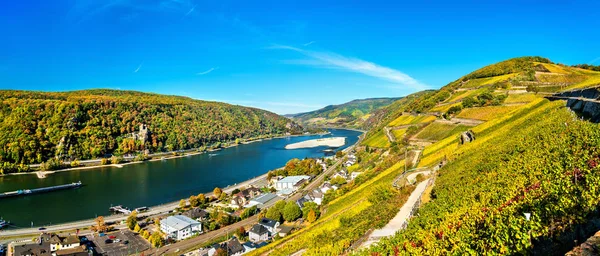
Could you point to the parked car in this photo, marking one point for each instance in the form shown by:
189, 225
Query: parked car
108, 241
42, 228
102, 234
125, 242
112, 237
117, 240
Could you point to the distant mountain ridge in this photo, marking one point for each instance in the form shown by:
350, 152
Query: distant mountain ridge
350, 114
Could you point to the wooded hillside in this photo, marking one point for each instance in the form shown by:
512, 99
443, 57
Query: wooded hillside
37, 126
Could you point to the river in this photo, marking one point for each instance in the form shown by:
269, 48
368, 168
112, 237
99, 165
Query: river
149, 183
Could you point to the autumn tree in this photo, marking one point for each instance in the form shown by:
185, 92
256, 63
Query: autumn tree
194, 202
182, 204
132, 220
312, 216
201, 198
100, 226
217, 192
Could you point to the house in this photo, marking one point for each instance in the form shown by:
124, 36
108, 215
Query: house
269, 224
258, 233
180, 227
196, 214
240, 199
317, 196
234, 247
300, 202
354, 175
69, 242
51, 244
250, 246
284, 230
259, 201
341, 173
326, 187
80, 250
291, 182
31, 250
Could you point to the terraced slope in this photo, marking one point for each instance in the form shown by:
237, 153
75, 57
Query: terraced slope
351, 114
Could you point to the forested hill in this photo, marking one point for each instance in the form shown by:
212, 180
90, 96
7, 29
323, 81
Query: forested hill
350, 114
37, 126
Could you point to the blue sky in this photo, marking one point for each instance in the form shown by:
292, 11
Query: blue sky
283, 56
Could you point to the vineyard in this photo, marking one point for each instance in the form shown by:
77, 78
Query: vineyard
486, 113
378, 140
541, 160
521, 98
438, 131
410, 119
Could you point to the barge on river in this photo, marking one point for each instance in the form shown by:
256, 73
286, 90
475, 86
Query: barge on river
25, 192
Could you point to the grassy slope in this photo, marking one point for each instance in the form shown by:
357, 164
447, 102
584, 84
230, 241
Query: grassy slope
351, 114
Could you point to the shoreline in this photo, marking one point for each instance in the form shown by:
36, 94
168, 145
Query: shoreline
42, 174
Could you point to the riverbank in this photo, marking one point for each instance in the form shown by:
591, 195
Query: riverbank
330, 142
154, 157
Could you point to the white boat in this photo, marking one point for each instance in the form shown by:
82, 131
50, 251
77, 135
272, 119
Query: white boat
212, 154
3, 223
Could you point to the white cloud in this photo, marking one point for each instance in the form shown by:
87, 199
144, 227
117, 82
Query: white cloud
189, 12
334, 60
309, 43
138, 68
207, 71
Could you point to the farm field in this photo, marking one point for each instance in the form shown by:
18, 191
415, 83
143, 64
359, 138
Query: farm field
485, 113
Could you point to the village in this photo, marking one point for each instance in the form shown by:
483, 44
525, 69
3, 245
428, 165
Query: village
251, 216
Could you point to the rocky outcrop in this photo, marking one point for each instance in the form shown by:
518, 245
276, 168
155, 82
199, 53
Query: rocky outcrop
584, 102
466, 137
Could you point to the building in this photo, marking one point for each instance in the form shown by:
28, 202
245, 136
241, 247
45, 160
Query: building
300, 202
234, 247
317, 196
284, 230
269, 224
258, 233
354, 175
242, 198
291, 182
261, 200
250, 246
196, 214
180, 227
341, 173
51, 245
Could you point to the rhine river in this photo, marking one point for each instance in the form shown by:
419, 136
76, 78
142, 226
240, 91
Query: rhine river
149, 183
